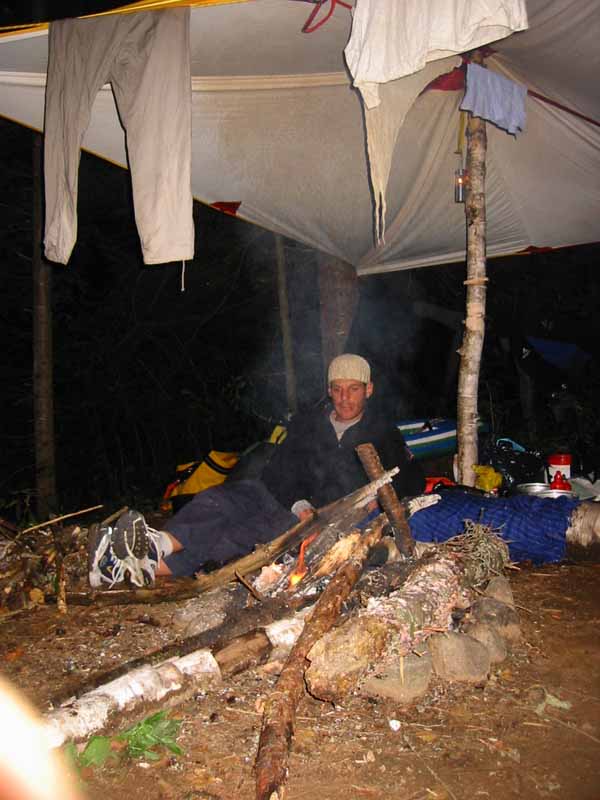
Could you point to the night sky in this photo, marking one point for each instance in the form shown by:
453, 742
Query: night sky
147, 376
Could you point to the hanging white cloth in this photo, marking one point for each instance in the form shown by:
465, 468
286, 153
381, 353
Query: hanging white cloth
393, 38
145, 56
391, 43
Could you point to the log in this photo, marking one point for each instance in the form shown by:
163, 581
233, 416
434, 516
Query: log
280, 710
388, 498
343, 513
171, 680
438, 583
583, 533
245, 622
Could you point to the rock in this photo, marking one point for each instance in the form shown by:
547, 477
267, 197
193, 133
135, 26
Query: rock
403, 680
459, 657
202, 613
499, 615
499, 588
488, 636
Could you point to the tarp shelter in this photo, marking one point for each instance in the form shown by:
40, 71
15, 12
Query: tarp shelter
278, 129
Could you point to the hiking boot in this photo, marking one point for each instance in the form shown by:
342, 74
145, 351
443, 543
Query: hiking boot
127, 550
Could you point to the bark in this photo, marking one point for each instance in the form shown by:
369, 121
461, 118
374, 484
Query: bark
43, 398
286, 331
338, 289
472, 345
280, 710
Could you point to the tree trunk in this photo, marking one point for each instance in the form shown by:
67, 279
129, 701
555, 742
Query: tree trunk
338, 290
472, 345
286, 330
43, 399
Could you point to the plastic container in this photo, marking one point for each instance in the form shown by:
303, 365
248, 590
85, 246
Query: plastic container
559, 462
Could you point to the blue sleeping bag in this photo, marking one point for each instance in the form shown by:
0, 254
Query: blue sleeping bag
533, 527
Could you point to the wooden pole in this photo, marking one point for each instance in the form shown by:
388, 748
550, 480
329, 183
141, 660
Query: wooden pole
472, 345
43, 397
286, 330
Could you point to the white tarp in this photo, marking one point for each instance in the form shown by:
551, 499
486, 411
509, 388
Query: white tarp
277, 127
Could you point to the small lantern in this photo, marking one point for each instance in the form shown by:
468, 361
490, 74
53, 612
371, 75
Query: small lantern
460, 180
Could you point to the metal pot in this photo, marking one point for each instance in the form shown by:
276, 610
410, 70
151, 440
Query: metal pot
532, 488
553, 493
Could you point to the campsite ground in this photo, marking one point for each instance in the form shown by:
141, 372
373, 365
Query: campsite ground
498, 740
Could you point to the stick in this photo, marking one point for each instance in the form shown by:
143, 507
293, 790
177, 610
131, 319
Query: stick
280, 710
246, 584
60, 519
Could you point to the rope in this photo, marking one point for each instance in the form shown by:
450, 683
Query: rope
308, 27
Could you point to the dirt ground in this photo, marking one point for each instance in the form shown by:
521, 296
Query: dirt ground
497, 741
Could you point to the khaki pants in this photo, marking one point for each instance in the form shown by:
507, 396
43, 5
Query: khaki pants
146, 58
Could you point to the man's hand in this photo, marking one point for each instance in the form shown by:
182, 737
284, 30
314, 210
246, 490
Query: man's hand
302, 509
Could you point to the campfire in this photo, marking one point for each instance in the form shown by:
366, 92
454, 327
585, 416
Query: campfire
300, 569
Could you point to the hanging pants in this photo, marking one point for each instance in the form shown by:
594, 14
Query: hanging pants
145, 56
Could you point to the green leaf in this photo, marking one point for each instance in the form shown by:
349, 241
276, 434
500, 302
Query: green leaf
96, 752
153, 732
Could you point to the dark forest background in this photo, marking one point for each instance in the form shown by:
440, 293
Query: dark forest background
147, 376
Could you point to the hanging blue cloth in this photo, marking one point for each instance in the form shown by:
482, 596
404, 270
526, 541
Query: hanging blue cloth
495, 98
533, 527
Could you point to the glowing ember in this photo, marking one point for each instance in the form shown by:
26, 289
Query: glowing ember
300, 571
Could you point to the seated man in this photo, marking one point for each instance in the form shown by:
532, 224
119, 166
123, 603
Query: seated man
316, 464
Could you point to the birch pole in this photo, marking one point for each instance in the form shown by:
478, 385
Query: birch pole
472, 344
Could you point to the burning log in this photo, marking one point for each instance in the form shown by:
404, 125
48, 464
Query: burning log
439, 583
280, 710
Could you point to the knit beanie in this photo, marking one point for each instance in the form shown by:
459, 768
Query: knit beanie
351, 367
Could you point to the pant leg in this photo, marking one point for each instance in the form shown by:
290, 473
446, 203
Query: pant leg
80, 55
151, 80
223, 523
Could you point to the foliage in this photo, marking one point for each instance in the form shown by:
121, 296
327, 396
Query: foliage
142, 741
154, 731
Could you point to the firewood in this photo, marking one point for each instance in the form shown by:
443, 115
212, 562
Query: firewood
280, 709
395, 624
388, 498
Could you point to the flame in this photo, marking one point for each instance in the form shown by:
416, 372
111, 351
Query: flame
301, 570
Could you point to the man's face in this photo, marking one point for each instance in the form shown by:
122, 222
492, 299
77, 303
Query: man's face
349, 398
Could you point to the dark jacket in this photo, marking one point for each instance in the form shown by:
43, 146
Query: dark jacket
311, 464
